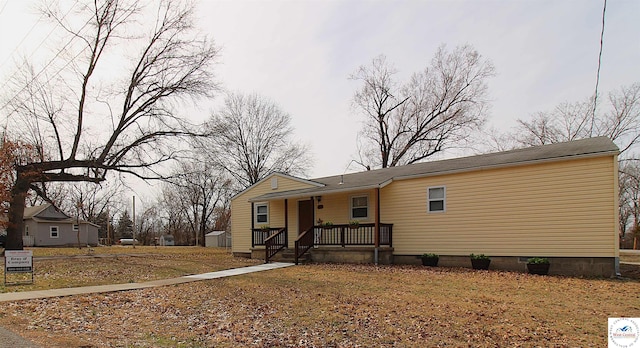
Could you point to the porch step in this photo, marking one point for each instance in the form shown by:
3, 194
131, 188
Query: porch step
289, 255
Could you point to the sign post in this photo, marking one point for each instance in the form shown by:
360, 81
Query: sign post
18, 261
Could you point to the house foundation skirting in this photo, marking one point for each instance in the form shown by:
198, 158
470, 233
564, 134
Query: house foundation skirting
363, 254
352, 255
571, 266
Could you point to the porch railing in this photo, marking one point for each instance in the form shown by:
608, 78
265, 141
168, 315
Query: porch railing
303, 243
275, 243
343, 235
275, 239
259, 235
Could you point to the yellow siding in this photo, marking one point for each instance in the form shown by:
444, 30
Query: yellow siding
337, 208
564, 208
241, 210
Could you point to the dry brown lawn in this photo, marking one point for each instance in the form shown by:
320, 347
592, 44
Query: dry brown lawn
337, 306
71, 267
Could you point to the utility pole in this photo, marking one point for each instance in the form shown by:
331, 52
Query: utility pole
109, 240
134, 222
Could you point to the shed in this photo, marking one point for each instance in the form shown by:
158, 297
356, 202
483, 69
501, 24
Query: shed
167, 240
217, 239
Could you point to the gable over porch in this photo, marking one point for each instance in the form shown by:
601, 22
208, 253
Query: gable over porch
333, 213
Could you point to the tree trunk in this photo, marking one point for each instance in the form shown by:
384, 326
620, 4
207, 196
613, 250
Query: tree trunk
16, 212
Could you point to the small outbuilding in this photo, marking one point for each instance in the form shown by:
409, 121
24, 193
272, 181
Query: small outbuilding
217, 239
167, 240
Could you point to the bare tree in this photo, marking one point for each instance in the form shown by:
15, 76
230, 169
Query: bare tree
174, 218
85, 125
620, 121
147, 226
202, 191
252, 137
629, 200
434, 110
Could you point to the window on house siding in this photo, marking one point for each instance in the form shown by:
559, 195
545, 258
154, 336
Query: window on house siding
262, 213
53, 232
437, 199
26, 230
75, 228
359, 207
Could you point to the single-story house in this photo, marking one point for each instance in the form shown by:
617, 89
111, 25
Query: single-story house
46, 225
558, 201
217, 239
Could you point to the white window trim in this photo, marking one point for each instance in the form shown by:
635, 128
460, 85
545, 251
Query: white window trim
75, 227
51, 231
351, 207
255, 213
443, 199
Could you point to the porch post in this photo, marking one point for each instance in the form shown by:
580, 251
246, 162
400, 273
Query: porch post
253, 219
377, 226
286, 223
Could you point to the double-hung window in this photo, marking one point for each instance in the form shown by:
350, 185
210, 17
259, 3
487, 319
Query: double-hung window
53, 232
262, 213
436, 199
359, 207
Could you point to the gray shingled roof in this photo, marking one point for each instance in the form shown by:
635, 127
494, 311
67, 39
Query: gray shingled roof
591, 147
30, 212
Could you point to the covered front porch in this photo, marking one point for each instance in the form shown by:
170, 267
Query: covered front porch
355, 242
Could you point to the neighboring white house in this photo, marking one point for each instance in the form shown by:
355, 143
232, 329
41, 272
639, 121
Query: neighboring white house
46, 225
217, 239
167, 240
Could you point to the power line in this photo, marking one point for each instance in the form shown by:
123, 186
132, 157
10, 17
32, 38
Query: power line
595, 95
3, 6
25, 37
47, 65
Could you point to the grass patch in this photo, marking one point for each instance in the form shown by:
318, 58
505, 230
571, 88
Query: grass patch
70, 267
326, 305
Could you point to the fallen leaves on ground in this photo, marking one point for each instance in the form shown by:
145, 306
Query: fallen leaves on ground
116, 265
334, 305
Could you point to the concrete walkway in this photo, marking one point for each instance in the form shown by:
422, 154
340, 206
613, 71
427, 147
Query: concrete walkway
30, 295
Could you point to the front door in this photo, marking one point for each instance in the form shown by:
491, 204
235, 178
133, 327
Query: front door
305, 215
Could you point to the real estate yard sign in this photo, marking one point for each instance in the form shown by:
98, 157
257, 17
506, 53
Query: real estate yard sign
18, 261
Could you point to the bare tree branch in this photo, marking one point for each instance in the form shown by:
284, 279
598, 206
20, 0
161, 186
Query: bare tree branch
436, 109
67, 110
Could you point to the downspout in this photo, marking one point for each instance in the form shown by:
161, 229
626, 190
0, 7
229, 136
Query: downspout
377, 227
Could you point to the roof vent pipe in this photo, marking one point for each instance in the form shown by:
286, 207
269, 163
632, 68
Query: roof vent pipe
341, 179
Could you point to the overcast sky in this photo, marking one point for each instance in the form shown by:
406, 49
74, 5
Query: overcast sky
300, 54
